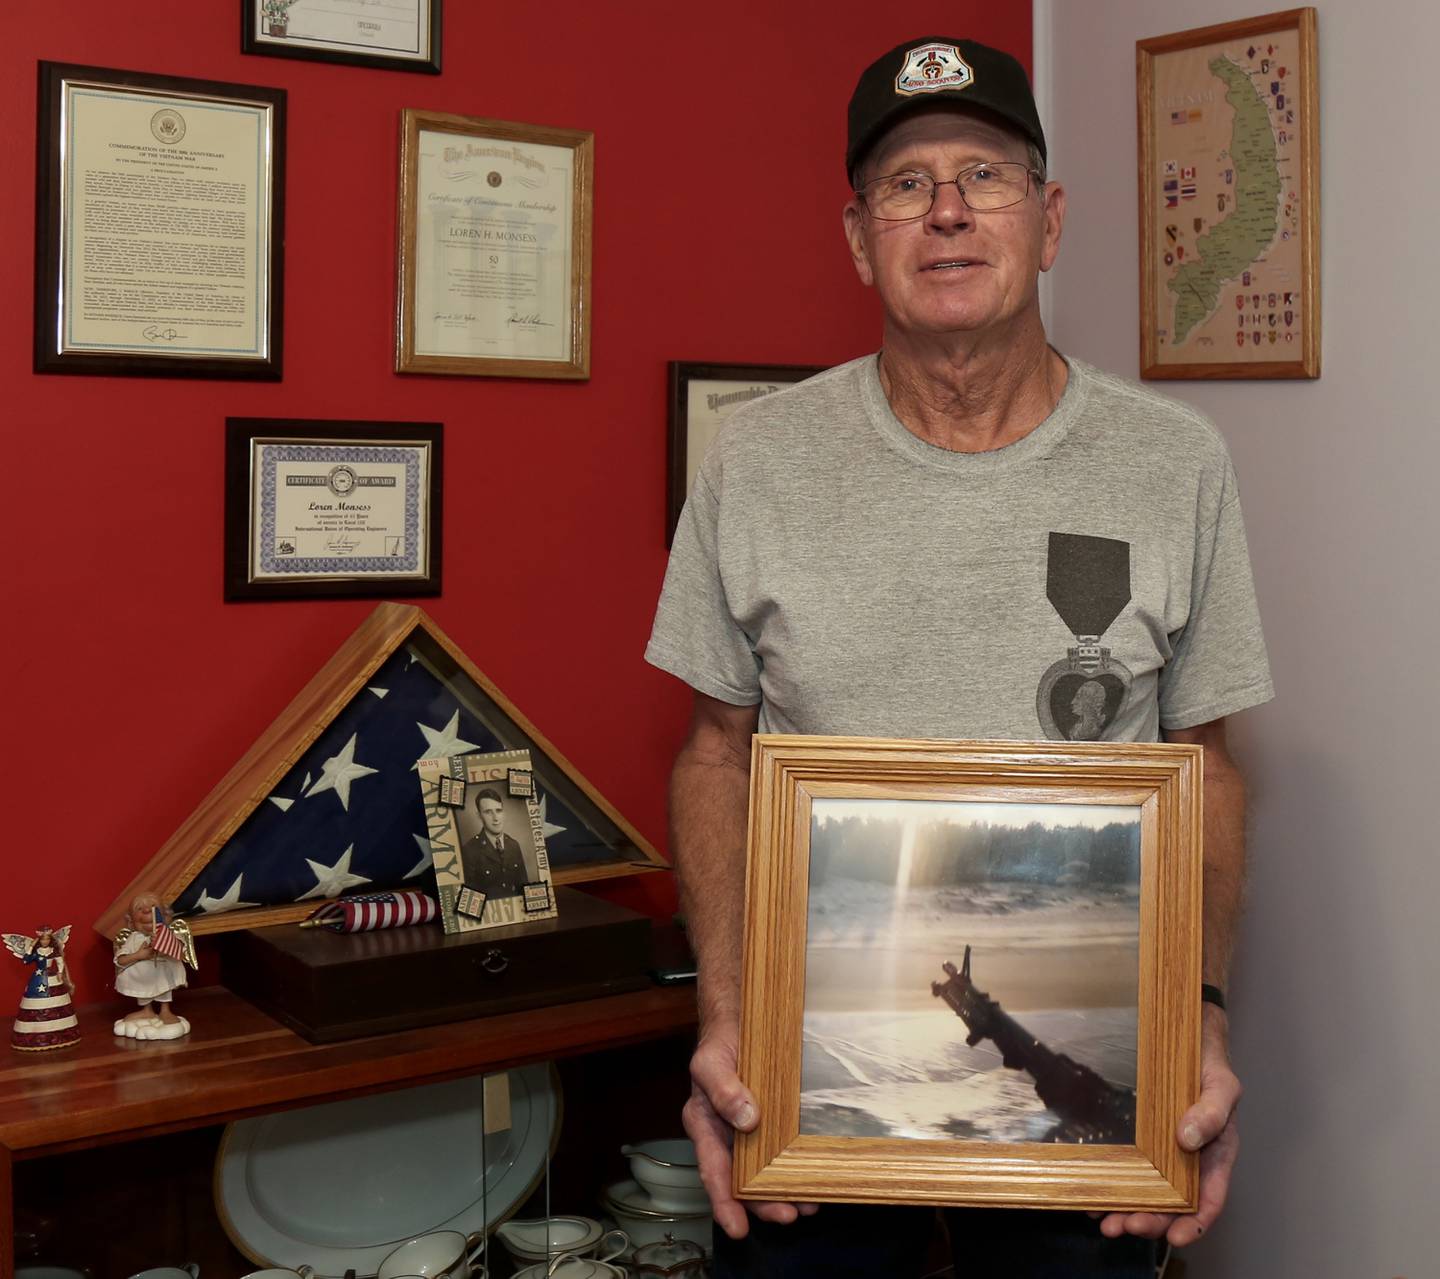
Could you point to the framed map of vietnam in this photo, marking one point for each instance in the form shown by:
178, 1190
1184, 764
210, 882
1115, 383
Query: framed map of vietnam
1229, 186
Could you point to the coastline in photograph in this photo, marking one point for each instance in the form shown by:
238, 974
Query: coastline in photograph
1036, 910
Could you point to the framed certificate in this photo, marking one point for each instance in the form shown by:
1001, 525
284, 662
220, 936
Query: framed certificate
398, 35
326, 508
971, 972
159, 225
702, 396
494, 253
1229, 126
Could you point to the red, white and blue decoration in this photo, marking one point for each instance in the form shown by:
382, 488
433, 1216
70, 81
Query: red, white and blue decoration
375, 910
47, 1015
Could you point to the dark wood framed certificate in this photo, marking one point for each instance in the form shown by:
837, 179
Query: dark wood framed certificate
396, 35
159, 225
702, 396
494, 254
332, 508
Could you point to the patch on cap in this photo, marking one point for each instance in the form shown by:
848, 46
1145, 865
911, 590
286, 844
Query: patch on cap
930, 68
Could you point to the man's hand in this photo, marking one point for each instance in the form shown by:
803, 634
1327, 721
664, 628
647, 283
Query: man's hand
1209, 1126
719, 1104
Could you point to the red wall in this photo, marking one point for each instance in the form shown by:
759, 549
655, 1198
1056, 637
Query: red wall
125, 674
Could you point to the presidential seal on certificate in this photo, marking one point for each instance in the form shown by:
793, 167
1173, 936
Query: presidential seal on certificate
494, 254
398, 35
159, 225
325, 508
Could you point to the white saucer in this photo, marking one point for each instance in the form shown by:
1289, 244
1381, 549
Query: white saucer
341, 1185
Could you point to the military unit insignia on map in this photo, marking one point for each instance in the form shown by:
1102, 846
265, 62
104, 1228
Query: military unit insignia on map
930, 68
1087, 581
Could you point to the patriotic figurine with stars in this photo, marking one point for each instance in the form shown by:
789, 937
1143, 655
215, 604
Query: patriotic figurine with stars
148, 967
47, 1014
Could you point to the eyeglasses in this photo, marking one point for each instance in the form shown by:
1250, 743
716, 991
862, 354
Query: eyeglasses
984, 187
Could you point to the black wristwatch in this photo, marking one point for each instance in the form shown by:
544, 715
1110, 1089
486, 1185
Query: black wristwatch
1212, 995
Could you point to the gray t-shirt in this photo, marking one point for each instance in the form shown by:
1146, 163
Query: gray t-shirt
1090, 580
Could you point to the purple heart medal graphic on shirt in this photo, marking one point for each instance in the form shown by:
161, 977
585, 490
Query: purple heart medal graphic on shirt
1087, 581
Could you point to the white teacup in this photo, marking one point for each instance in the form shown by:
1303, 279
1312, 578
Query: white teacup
280, 1272
442, 1254
188, 1271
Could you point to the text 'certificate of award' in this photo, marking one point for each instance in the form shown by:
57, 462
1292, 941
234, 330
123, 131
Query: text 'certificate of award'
165, 227
496, 253
326, 503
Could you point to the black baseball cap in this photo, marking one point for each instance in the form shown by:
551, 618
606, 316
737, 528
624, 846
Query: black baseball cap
920, 73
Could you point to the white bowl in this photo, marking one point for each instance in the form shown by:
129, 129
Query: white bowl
635, 1212
670, 1174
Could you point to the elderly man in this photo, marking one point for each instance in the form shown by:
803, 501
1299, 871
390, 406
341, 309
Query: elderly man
966, 535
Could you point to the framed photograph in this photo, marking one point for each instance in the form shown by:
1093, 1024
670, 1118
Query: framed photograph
972, 973
324, 802
487, 840
159, 225
494, 256
332, 508
1229, 127
702, 396
397, 35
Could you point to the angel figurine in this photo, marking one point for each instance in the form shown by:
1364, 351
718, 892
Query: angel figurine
149, 952
47, 1014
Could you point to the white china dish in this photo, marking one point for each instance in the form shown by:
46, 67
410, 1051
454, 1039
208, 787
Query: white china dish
636, 1213
538, 1237
340, 1186
669, 1172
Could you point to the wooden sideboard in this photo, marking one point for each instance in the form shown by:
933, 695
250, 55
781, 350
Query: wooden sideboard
238, 1062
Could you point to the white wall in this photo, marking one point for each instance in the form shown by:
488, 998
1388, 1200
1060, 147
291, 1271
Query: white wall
1337, 993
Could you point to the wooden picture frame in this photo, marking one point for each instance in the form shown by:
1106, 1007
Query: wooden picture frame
806, 1147
176, 871
493, 262
122, 155
262, 454
1229, 156
701, 397
348, 32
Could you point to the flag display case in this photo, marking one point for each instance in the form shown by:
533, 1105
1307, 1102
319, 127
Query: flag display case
326, 801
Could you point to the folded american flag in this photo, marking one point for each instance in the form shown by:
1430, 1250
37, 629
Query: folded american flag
374, 910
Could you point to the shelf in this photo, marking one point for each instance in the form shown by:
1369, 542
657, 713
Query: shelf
237, 1062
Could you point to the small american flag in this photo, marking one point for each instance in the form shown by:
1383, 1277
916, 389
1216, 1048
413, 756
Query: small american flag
164, 940
365, 913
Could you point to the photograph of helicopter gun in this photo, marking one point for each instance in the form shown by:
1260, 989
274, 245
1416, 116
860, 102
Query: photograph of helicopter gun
1048, 894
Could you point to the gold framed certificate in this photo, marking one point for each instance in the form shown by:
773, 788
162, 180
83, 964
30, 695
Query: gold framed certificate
398, 35
159, 225
330, 508
494, 254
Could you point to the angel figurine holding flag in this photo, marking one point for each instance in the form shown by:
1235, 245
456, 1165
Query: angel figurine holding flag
148, 967
47, 1014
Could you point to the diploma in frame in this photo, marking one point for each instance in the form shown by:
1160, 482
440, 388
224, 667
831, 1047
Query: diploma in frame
494, 253
331, 508
702, 397
159, 225
396, 35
